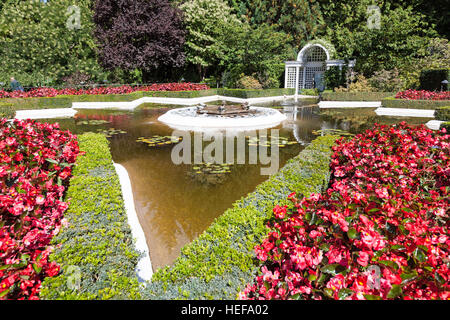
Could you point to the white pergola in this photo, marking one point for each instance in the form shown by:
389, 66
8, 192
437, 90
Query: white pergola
312, 60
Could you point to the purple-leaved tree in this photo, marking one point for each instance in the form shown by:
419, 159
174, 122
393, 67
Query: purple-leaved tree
139, 34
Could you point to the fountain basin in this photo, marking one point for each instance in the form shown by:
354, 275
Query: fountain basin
189, 119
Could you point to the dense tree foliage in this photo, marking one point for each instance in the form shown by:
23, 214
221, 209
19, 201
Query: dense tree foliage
302, 19
41, 43
256, 51
147, 35
207, 23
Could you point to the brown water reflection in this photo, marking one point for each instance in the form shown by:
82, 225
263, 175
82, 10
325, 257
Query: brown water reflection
174, 208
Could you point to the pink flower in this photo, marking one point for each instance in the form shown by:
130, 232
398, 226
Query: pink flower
363, 258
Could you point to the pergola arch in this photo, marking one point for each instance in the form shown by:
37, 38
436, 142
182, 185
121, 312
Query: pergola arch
312, 62
306, 52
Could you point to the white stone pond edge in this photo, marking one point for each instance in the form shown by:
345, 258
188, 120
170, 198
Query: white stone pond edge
144, 267
131, 105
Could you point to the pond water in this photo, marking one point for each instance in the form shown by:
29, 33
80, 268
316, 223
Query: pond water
176, 203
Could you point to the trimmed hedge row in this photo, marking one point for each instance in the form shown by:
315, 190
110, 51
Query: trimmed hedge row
356, 96
221, 261
413, 104
97, 241
443, 113
7, 111
446, 125
254, 93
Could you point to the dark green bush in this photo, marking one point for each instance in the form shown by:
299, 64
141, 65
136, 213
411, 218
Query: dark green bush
335, 77
221, 261
98, 239
391, 102
430, 80
443, 113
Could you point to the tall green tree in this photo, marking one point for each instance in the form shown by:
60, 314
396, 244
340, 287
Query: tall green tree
207, 23
41, 43
258, 51
302, 19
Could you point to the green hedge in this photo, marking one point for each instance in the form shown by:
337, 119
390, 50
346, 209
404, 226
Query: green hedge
221, 261
98, 239
413, 104
430, 80
7, 111
443, 113
446, 125
355, 96
255, 93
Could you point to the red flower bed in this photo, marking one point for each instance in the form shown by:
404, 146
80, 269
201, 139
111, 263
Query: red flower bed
50, 92
381, 231
35, 166
423, 95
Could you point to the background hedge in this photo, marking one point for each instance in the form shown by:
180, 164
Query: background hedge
254, 93
443, 113
98, 239
355, 96
413, 104
7, 111
221, 261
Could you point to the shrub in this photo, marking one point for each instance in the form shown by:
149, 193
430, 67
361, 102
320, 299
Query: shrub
443, 113
35, 165
219, 263
387, 81
386, 210
360, 85
97, 239
248, 82
335, 77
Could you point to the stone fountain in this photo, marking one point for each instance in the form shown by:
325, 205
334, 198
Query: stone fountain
239, 117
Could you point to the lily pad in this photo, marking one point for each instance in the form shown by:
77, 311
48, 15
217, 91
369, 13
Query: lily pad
160, 141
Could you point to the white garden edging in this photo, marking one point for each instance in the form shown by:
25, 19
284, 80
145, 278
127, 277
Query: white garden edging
434, 124
144, 267
45, 113
398, 112
349, 104
131, 105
